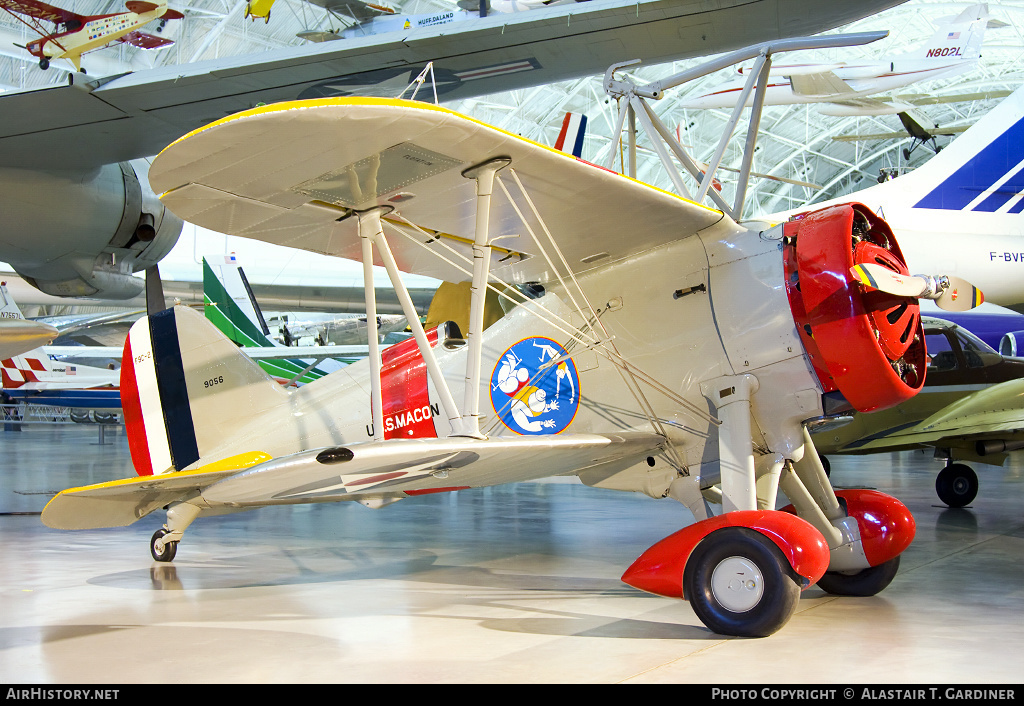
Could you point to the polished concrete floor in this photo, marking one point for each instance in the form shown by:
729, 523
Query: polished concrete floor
508, 584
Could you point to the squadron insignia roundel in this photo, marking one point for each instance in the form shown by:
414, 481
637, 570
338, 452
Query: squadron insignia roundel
533, 398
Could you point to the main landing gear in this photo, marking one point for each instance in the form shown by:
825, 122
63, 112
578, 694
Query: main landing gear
957, 485
738, 581
743, 570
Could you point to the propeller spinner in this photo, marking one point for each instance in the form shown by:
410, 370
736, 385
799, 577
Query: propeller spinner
949, 293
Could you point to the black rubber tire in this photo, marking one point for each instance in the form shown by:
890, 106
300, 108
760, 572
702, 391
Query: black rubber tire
957, 485
170, 548
866, 582
780, 590
827, 465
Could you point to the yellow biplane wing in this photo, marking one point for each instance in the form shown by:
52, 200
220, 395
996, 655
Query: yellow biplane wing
293, 173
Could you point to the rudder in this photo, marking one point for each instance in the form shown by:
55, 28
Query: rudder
184, 388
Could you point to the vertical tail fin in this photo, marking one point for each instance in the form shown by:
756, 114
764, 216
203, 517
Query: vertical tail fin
184, 388
982, 170
570, 139
8, 307
959, 38
19, 336
231, 306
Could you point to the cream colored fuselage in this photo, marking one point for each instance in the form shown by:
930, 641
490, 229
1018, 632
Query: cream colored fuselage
735, 322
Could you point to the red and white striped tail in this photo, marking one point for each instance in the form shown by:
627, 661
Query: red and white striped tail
184, 388
570, 139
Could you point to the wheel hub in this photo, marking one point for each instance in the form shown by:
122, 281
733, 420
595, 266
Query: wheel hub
737, 584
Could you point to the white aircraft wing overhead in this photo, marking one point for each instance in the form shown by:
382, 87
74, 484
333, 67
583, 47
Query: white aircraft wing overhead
331, 157
111, 119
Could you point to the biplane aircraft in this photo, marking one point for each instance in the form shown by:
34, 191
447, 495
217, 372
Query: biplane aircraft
764, 329
77, 34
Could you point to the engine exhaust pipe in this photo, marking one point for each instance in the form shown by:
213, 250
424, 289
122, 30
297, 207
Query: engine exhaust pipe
146, 230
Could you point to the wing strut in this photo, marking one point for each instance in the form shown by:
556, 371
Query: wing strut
372, 234
369, 229
483, 174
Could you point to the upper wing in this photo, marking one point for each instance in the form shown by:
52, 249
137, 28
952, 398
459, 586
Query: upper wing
39, 10
387, 470
117, 118
145, 41
356, 9
291, 173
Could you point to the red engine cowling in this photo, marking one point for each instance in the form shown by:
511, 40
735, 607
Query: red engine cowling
867, 344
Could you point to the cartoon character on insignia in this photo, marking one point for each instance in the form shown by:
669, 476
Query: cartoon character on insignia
534, 387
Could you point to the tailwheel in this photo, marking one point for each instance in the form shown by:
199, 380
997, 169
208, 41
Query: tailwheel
739, 583
161, 550
44, 63
862, 583
957, 485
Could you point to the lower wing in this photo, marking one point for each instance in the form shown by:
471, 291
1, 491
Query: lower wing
386, 470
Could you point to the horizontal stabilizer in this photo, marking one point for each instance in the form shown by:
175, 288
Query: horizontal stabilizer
145, 41
19, 336
824, 83
407, 466
356, 9
121, 502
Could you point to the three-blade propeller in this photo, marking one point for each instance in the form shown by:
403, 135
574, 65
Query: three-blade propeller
949, 293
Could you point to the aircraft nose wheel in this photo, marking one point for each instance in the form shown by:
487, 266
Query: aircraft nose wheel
161, 550
956, 485
739, 583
